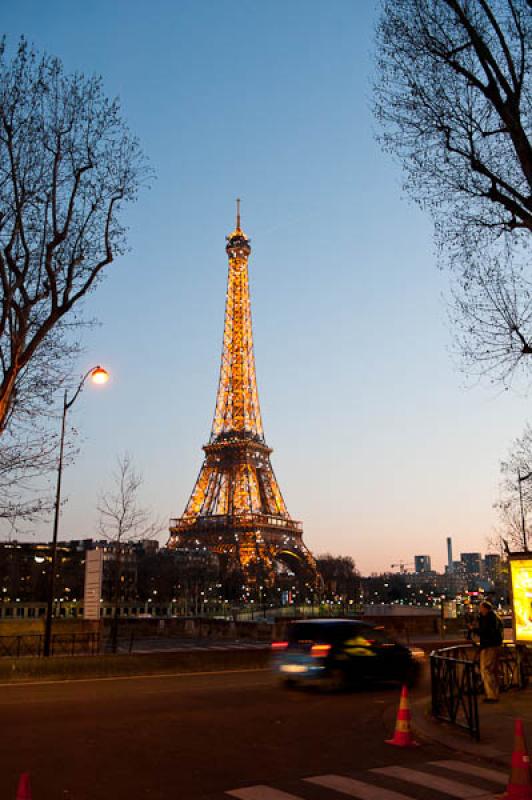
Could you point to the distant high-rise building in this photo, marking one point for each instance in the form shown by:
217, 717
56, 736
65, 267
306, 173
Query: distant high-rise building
449, 554
472, 564
422, 564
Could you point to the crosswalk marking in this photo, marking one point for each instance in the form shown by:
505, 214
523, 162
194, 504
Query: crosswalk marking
262, 793
354, 788
369, 791
472, 769
452, 788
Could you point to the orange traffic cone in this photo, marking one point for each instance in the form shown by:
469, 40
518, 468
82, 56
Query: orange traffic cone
520, 783
24, 789
403, 735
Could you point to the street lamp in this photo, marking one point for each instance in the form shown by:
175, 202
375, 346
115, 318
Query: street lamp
99, 376
520, 479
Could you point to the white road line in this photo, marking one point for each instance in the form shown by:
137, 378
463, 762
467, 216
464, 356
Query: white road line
353, 788
472, 769
262, 793
452, 788
145, 676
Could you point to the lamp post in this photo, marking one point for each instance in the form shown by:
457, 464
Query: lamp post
98, 375
520, 479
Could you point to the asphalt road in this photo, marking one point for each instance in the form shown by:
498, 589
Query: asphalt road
194, 736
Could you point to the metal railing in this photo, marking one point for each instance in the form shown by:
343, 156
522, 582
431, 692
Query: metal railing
456, 683
230, 520
455, 689
71, 644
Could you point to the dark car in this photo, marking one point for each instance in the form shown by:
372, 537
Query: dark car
335, 653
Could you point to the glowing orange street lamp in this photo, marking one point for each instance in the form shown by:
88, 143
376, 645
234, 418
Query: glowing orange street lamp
98, 375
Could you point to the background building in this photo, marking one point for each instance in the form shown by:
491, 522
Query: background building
449, 554
472, 564
422, 564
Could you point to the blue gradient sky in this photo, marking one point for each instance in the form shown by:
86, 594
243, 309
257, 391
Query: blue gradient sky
379, 448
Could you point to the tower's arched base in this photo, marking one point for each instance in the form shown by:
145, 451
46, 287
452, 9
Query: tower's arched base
255, 545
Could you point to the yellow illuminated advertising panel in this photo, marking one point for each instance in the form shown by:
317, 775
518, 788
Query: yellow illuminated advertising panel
521, 573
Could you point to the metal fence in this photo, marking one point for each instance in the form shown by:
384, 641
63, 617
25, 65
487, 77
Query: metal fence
71, 644
456, 682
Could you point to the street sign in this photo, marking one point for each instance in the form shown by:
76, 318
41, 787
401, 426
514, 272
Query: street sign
93, 584
521, 583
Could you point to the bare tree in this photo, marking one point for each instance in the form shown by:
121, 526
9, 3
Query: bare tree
29, 444
67, 165
491, 318
24, 460
122, 520
121, 517
454, 98
509, 536
516, 491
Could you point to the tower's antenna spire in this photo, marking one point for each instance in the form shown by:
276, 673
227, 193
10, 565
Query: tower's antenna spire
238, 213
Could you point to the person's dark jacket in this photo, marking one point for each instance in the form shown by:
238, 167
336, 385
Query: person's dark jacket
489, 630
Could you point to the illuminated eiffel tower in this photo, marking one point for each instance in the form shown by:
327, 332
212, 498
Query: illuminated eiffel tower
236, 508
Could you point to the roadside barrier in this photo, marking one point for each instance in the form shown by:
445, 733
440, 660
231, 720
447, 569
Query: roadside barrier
456, 683
32, 644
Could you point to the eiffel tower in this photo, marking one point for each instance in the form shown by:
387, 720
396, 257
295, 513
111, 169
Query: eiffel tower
236, 508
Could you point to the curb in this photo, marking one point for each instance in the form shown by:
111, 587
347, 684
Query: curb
451, 737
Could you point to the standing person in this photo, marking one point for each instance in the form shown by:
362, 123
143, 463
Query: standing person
490, 632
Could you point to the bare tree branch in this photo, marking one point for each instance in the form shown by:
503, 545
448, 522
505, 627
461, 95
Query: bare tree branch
122, 519
67, 165
491, 320
516, 490
453, 95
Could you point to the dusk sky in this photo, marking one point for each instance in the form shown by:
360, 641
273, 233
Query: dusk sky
381, 445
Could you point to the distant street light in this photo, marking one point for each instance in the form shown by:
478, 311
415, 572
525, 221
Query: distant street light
99, 376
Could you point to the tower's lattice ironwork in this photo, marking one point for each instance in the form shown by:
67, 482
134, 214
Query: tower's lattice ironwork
236, 507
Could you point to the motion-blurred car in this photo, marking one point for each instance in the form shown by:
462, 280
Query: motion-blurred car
337, 653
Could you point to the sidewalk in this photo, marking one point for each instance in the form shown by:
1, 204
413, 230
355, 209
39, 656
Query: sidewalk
496, 726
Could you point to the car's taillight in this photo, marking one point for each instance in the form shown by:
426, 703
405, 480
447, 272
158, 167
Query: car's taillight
319, 650
279, 645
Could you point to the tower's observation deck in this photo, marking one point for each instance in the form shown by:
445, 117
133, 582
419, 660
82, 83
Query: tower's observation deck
236, 507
